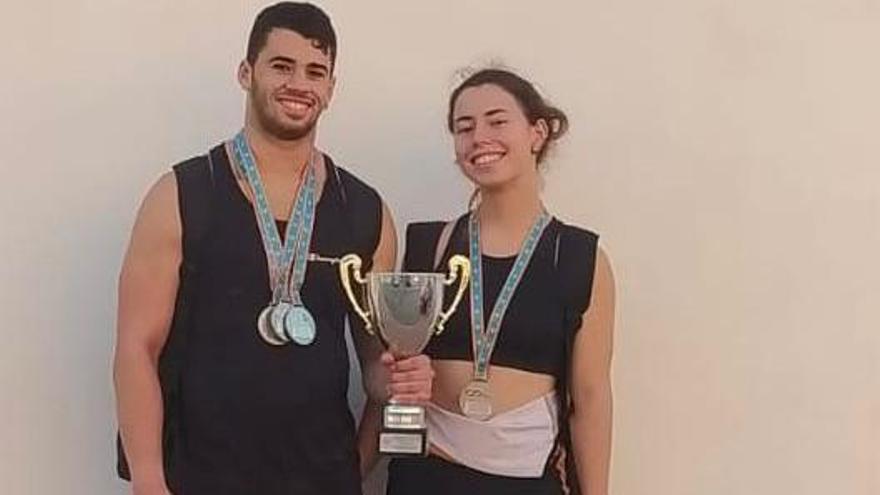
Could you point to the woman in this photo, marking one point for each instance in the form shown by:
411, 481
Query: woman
522, 396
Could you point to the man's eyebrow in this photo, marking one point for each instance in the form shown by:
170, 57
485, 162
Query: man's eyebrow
318, 65
282, 58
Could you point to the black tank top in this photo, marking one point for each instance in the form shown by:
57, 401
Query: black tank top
537, 327
256, 418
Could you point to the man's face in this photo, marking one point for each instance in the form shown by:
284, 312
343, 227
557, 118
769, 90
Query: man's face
289, 84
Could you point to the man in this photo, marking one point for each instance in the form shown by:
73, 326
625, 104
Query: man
231, 367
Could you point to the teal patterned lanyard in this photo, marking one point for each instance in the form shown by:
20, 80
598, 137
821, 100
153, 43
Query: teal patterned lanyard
484, 336
294, 251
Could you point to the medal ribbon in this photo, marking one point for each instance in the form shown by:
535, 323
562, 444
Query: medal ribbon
484, 336
294, 251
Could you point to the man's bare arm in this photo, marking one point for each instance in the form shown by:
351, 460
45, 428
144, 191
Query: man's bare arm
147, 291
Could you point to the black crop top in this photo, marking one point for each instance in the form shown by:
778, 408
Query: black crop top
546, 308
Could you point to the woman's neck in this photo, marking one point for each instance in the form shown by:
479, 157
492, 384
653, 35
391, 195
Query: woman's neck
507, 213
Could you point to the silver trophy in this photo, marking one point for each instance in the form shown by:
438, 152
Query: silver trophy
404, 310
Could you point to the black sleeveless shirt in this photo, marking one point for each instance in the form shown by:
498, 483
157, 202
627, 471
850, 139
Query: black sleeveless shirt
254, 418
545, 309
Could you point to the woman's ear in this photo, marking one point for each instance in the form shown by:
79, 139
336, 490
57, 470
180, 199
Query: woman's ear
540, 134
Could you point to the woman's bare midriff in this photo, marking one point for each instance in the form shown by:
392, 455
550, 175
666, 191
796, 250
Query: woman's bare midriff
510, 388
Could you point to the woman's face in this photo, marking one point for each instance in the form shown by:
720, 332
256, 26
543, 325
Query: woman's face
494, 141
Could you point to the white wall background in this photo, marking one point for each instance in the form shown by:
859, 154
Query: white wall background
726, 150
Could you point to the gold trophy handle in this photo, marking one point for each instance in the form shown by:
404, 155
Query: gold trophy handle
462, 266
350, 266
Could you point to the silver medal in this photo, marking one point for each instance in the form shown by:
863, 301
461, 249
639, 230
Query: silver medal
300, 325
264, 327
277, 317
475, 400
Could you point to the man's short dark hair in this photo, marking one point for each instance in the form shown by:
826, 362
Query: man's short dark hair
304, 18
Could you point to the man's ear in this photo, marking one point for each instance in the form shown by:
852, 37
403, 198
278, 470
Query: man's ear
245, 75
330, 92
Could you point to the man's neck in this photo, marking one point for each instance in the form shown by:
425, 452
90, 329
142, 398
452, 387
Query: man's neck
279, 156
